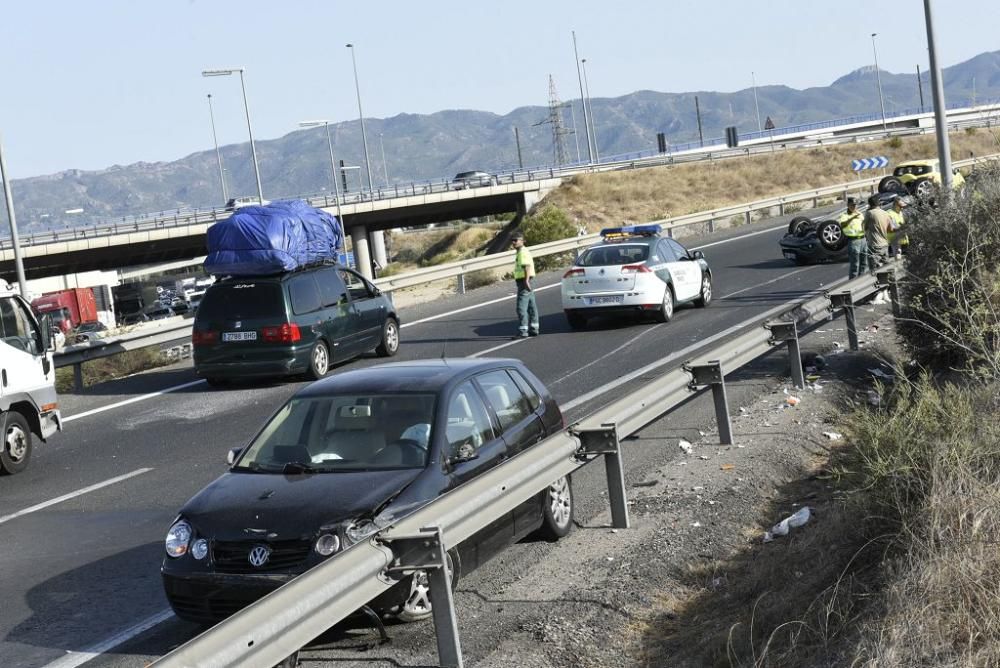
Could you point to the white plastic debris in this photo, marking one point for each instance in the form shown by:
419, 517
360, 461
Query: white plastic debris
696, 524
874, 398
685, 446
782, 528
702, 456
882, 375
833, 436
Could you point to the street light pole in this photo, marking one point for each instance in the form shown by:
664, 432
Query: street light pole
333, 162
920, 89
246, 108
583, 102
364, 136
218, 154
753, 78
937, 94
878, 80
385, 168
593, 123
22, 283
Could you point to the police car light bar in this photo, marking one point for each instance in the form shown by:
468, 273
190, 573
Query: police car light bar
636, 230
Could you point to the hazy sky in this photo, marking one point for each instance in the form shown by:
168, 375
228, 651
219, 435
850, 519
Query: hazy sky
87, 85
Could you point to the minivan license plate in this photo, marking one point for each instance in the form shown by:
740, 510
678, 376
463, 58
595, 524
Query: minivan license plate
239, 336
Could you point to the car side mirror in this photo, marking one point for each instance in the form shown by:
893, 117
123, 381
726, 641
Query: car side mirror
697, 255
463, 452
233, 455
48, 337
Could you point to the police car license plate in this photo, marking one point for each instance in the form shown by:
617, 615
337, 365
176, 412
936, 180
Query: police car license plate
239, 336
790, 255
607, 299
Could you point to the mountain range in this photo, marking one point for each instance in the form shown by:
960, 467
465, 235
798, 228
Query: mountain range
435, 146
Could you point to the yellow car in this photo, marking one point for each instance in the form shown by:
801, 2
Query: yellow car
917, 177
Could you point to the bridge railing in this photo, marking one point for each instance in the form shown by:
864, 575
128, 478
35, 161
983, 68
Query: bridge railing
280, 624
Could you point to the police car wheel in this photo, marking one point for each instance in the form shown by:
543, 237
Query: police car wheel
666, 311
706, 291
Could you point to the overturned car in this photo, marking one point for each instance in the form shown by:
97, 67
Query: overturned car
810, 241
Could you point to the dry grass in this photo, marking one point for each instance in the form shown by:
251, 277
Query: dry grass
109, 368
654, 193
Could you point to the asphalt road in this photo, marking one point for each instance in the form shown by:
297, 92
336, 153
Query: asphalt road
80, 577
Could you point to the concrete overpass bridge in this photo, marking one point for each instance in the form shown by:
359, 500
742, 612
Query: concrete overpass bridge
165, 240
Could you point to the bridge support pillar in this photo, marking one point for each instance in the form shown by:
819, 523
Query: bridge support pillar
378, 248
362, 258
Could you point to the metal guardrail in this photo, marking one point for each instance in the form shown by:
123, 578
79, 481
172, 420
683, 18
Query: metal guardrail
278, 625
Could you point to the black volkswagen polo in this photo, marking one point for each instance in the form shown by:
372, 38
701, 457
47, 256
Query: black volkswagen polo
346, 456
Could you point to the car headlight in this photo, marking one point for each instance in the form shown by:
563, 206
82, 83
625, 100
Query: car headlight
199, 549
358, 530
178, 539
327, 544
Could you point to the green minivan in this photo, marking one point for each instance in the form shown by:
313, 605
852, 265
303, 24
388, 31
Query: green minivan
293, 323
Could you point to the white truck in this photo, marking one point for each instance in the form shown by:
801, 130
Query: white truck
28, 404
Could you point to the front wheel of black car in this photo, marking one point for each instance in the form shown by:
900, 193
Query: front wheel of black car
831, 236
797, 223
319, 361
417, 606
557, 511
390, 339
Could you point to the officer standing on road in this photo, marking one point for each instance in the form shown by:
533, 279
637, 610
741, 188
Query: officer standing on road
897, 237
857, 247
878, 224
524, 273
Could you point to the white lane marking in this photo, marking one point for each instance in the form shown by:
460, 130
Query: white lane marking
609, 354
501, 346
584, 398
474, 306
744, 236
773, 280
74, 659
71, 495
133, 400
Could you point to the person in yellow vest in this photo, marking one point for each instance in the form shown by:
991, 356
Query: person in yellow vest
851, 222
524, 274
898, 239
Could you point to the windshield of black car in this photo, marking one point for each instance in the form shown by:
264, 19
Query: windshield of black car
341, 433
603, 256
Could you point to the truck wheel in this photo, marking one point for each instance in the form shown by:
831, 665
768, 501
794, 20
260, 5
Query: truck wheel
15, 450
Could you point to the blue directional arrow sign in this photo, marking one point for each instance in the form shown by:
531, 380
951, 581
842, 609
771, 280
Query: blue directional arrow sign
877, 162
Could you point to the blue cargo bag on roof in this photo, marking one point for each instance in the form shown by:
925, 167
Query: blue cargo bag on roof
271, 239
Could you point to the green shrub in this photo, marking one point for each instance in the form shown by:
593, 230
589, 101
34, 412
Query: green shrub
895, 142
549, 224
951, 292
478, 279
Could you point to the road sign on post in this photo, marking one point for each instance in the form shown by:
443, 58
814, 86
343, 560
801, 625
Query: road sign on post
732, 137
768, 124
877, 162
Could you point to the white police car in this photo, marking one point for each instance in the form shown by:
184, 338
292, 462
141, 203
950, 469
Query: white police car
634, 271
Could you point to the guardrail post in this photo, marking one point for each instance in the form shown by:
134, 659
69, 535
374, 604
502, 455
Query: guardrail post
710, 373
845, 301
604, 441
749, 217
711, 225
887, 278
461, 284
789, 332
427, 552
78, 377
781, 207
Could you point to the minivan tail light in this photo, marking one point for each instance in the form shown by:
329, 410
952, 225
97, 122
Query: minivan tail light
204, 338
635, 269
576, 271
285, 333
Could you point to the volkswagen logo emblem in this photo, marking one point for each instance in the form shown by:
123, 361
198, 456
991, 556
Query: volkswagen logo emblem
259, 555
238, 324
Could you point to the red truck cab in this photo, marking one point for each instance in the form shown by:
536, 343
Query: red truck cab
68, 309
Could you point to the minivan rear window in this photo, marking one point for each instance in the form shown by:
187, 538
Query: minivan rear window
244, 300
